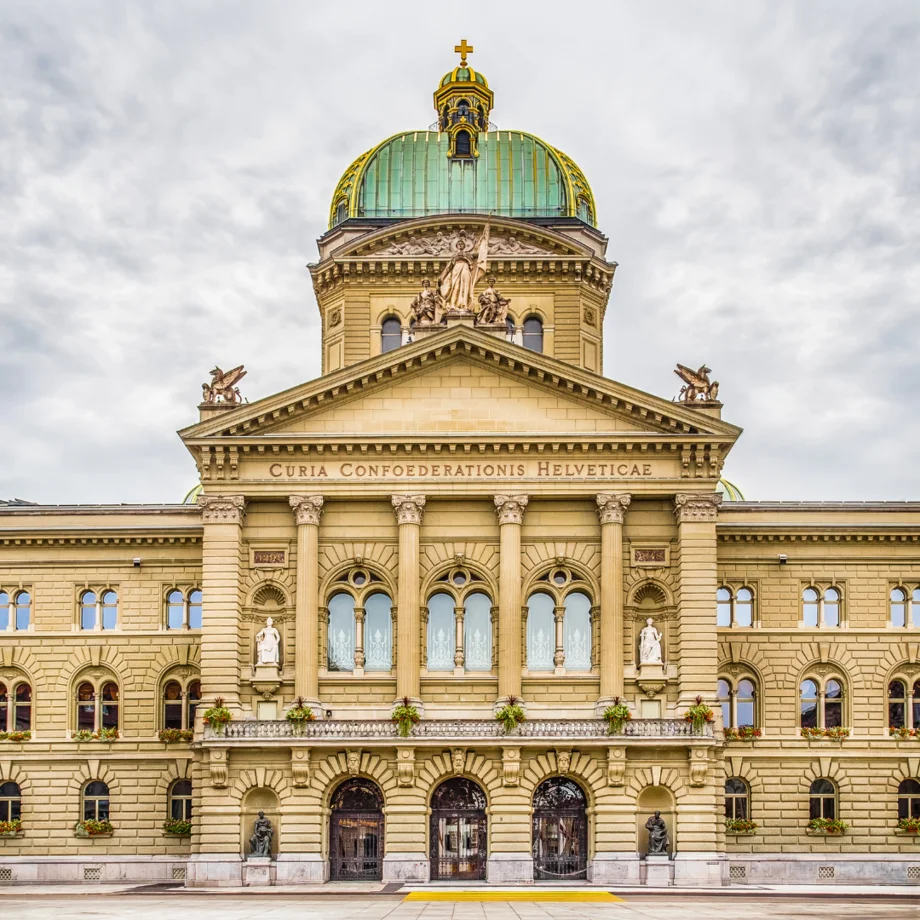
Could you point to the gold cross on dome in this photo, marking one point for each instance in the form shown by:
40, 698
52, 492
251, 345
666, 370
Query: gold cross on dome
463, 49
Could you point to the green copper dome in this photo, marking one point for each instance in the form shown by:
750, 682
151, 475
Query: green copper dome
464, 74
513, 174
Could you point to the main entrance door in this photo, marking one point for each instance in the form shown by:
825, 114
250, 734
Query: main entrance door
560, 830
356, 831
458, 831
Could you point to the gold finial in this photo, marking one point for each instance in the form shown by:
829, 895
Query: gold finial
463, 49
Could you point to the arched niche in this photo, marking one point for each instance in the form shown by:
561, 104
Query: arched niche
650, 800
259, 799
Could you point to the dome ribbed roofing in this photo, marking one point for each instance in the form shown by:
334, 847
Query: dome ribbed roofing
516, 174
464, 74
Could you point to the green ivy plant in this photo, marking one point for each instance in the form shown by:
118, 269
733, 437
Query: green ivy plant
300, 713
511, 715
405, 715
617, 716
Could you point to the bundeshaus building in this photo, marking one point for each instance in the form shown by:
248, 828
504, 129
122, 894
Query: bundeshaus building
461, 608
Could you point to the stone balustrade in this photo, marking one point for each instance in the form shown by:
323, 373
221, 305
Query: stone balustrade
377, 730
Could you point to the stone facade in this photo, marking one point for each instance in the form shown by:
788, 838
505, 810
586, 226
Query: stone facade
458, 524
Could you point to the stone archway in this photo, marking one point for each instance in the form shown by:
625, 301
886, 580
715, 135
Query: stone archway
356, 831
459, 841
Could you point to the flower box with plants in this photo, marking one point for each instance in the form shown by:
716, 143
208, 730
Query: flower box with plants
104, 734
172, 735
902, 734
511, 715
406, 716
178, 827
742, 733
217, 716
16, 736
299, 714
827, 827
829, 734
740, 826
910, 826
11, 828
616, 716
698, 715
93, 829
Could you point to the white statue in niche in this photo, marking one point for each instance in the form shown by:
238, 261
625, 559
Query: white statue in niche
268, 644
650, 644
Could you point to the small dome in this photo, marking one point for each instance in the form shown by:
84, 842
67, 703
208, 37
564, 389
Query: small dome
729, 491
191, 497
464, 74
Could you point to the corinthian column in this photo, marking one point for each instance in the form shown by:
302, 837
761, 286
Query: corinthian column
409, 511
696, 515
222, 517
510, 510
308, 509
611, 510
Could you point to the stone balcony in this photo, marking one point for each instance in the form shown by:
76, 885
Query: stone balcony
434, 732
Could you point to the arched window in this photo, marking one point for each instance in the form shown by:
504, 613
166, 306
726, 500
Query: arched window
378, 632
898, 607
193, 698
808, 704
809, 607
10, 802
477, 632
109, 610
194, 609
390, 334
833, 704
23, 610
533, 334
172, 705
821, 702
737, 799
577, 632
734, 608
5, 619
460, 627
22, 708
822, 799
97, 705
897, 704
98, 612
180, 800
96, 801
831, 607
86, 707
509, 327
175, 610
738, 702
88, 610
584, 211
915, 607
341, 643
908, 799
462, 144
821, 607
183, 609
541, 632
4, 707
916, 704
442, 631
109, 715
341, 211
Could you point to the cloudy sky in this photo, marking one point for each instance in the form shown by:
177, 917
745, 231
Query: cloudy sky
166, 167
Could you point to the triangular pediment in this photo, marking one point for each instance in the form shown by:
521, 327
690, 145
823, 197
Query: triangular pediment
460, 382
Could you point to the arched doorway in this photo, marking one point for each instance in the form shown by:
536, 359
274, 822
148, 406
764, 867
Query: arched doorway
560, 830
458, 845
356, 831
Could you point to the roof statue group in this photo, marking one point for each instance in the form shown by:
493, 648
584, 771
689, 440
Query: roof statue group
456, 288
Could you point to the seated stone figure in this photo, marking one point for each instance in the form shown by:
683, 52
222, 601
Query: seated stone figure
260, 843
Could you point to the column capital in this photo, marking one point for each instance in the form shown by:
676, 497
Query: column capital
510, 508
611, 507
700, 507
409, 508
222, 509
308, 509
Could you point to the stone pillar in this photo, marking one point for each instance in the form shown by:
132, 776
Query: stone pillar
308, 509
696, 515
510, 510
409, 512
222, 517
611, 511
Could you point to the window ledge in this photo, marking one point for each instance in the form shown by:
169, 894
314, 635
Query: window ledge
741, 833
92, 836
18, 834
899, 833
813, 832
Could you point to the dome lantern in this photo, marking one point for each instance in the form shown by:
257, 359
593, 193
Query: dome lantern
463, 102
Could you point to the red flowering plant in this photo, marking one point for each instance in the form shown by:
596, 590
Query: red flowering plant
217, 716
902, 733
699, 714
172, 735
910, 825
742, 733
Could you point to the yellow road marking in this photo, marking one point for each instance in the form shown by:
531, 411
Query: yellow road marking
511, 896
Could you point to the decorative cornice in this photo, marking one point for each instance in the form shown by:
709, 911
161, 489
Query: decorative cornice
308, 509
697, 506
611, 507
222, 509
409, 508
510, 508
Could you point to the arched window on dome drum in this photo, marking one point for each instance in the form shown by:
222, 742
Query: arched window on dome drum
540, 632
341, 211
584, 211
10, 802
463, 146
908, 799
390, 334
533, 334
341, 637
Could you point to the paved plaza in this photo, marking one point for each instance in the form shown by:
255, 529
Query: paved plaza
860, 904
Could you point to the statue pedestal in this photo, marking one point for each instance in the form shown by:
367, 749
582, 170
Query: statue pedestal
658, 871
257, 871
266, 679
651, 680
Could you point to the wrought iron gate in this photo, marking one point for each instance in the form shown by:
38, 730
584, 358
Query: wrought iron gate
459, 841
560, 831
356, 831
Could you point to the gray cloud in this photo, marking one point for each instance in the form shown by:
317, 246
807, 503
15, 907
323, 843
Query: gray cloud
166, 168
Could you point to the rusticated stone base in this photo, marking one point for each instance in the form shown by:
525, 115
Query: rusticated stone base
406, 867
214, 870
301, 869
510, 869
